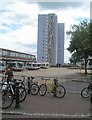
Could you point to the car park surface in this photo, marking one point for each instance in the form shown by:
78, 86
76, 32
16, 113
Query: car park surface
72, 105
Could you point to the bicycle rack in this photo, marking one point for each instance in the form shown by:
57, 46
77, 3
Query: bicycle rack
28, 85
17, 103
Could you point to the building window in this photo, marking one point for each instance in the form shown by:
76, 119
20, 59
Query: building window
4, 52
0, 52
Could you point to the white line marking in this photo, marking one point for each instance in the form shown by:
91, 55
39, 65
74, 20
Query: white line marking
46, 114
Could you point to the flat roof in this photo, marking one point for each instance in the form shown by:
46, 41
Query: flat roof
16, 51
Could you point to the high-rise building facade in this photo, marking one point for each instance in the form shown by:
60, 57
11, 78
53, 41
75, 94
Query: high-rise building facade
47, 44
60, 56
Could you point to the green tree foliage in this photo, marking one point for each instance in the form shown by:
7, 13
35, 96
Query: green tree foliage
81, 41
74, 58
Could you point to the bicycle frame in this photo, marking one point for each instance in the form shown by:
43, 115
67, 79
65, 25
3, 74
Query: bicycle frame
8, 86
90, 86
50, 86
11, 88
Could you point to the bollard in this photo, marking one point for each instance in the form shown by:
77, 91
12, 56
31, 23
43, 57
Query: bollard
14, 86
17, 104
91, 99
55, 83
91, 106
28, 85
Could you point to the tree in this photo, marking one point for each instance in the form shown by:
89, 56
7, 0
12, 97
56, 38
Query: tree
74, 58
80, 43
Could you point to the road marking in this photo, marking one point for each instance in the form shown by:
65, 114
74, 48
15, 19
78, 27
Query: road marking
46, 114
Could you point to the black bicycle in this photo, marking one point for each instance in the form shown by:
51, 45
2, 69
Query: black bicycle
30, 86
87, 91
8, 94
33, 87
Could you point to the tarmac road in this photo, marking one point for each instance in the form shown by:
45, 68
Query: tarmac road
72, 105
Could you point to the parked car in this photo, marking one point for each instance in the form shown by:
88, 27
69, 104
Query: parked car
16, 66
2, 68
32, 66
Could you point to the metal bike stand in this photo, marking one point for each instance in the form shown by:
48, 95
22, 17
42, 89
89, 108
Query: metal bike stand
91, 99
17, 103
28, 85
91, 107
55, 83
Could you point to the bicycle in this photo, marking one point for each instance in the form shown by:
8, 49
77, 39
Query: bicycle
8, 94
87, 91
7, 97
12, 86
32, 87
49, 87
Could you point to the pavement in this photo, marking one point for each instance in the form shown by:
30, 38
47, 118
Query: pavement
72, 105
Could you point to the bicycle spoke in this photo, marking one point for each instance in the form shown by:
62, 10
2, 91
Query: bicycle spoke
34, 89
86, 92
42, 90
60, 91
7, 99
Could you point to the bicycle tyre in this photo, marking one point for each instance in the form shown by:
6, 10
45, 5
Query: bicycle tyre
34, 89
60, 91
42, 89
86, 92
7, 99
22, 94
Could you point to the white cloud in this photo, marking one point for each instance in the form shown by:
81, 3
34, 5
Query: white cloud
26, 15
26, 35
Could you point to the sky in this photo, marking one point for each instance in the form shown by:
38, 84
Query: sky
19, 21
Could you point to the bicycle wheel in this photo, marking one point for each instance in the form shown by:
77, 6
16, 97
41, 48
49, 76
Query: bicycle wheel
60, 91
42, 89
86, 92
7, 99
34, 89
22, 94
